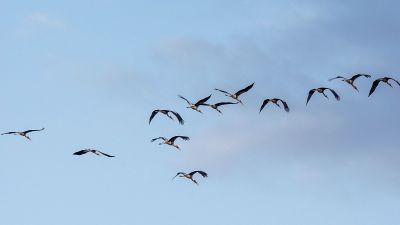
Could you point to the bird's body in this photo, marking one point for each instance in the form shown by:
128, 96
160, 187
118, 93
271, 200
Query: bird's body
384, 80
195, 106
94, 151
22, 133
236, 95
351, 80
275, 101
190, 175
166, 112
170, 141
321, 90
215, 106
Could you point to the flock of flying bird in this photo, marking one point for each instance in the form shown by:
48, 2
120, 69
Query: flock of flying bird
233, 96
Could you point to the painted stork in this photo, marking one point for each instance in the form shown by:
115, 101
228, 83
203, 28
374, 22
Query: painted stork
195, 106
166, 112
275, 101
215, 106
237, 94
351, 80
94, 151
384, 80
22, 133
171, 141
321, 90
190, 175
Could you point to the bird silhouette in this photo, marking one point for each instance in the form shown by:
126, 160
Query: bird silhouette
22, 133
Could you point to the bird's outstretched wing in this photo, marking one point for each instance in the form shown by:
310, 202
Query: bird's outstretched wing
285, 105
373, 87
178, 174
225, 92
180, 120
185, 138
28, 131
395, 81
225, 103
155, 139
153, 114
310, 94
335, 94
202, 101
336, 78
202, 173
188, 102
353, 78
246, 89
265, 102
81, 152
105, 154
12, 132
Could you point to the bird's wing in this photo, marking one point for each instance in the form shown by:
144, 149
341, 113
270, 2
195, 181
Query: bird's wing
180, 120
28, 131
335, 94
360, 75
155, 139
202, 173
336, 78
222, 91
81, 152
225, 103
183, 138
180, 96
153, 114
202, 101
246, 89
395, 81
373, 87
178, 175
12, 132
285, 105
105, 154
310, 93
265, 102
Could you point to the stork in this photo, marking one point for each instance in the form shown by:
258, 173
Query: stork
237, 94
22, 133
94, 151
275, 101
166, 112
190, 175
196, 105
384, 80
351, 80
215, 106
321, 90
170, 141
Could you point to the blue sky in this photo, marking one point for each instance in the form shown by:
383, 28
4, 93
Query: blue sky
91, 73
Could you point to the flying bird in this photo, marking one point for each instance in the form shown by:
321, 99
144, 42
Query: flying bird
237, 94
97, 152
190, 175
166, 112
321, 90
384, 80
171, 141
22, 133
275, 101
351, 80
196, 105
215, 106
